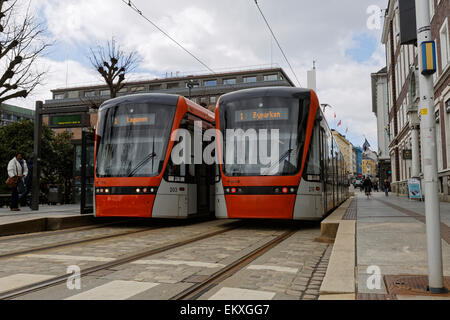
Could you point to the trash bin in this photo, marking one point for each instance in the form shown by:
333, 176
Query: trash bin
55, 195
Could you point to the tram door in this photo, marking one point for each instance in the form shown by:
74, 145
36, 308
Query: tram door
87, 172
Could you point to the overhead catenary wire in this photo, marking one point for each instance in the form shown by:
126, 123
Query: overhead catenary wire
136, 9
276, 40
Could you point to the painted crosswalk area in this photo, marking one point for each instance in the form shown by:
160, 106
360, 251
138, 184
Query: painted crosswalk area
114, 290
241, 294
20, 280
273, 268
62, 257
180, 262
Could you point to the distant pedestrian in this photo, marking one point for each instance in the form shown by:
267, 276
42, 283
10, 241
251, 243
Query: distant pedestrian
386, 188
17, 171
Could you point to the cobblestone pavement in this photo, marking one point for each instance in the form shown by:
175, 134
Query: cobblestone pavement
294, 269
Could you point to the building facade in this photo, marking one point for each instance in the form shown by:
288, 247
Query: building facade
403, 96
380, 107
10, 114
346, 148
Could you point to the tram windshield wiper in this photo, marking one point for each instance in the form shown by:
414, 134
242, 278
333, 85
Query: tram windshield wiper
268, 171
142, 163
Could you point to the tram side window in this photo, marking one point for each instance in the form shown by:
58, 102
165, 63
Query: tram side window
313, 169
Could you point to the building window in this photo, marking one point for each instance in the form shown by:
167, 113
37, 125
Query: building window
445, 54
212, 99
431, 5
104, 92
137, 89
73, 94
59, 96
271, 77
437, 116
155, 87
210, 83
172, 85
249, 79
89, 94
447, 106
229, 81
124, 89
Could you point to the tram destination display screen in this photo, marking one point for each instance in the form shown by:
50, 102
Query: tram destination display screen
267, 114
125, 120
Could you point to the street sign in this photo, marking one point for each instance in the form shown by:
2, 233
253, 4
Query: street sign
415, 192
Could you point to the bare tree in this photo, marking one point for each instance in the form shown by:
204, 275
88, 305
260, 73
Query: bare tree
113, 64
22, 42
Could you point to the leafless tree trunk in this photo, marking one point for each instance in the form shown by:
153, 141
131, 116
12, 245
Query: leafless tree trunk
22, 42
113, 64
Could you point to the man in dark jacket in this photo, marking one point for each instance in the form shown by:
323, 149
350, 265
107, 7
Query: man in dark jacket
367, 184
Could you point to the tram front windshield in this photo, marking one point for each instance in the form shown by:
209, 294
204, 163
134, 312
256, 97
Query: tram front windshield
132, 139
287, 115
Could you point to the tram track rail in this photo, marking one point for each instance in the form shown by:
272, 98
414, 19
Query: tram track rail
11, 294
199, 289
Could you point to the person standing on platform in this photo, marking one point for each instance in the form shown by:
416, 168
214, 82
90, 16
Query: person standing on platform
17, 170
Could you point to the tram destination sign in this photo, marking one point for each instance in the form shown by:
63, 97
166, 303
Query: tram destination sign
262, 114
68, 120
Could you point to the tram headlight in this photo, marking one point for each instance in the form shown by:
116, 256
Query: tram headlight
106, 190
138, 190
284, 190
233, 190
152, 190
144, 190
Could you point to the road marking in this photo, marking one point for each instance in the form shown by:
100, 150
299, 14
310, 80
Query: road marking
114, 290
273, 268
19, 280
241, 294
67, 257
180, 262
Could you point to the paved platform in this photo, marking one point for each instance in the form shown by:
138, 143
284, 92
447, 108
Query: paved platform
45, 211
390, 238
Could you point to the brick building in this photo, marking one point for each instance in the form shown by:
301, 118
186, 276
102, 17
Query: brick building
403, 96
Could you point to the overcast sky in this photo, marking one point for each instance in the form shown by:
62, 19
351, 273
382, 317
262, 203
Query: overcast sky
225, 35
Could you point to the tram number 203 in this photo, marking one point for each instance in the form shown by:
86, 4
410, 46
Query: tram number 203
173, 189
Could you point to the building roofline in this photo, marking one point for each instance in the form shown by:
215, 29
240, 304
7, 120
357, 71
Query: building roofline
202, 76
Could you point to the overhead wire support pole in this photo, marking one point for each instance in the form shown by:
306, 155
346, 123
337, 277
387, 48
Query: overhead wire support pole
134, 8
276, 40
427, 63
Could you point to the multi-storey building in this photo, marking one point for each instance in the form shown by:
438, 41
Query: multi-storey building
403, 96
380, 107
346, 148
10, 114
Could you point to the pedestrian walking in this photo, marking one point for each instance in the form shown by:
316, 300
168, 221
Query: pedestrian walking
367, 184
386, 188
17, 171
